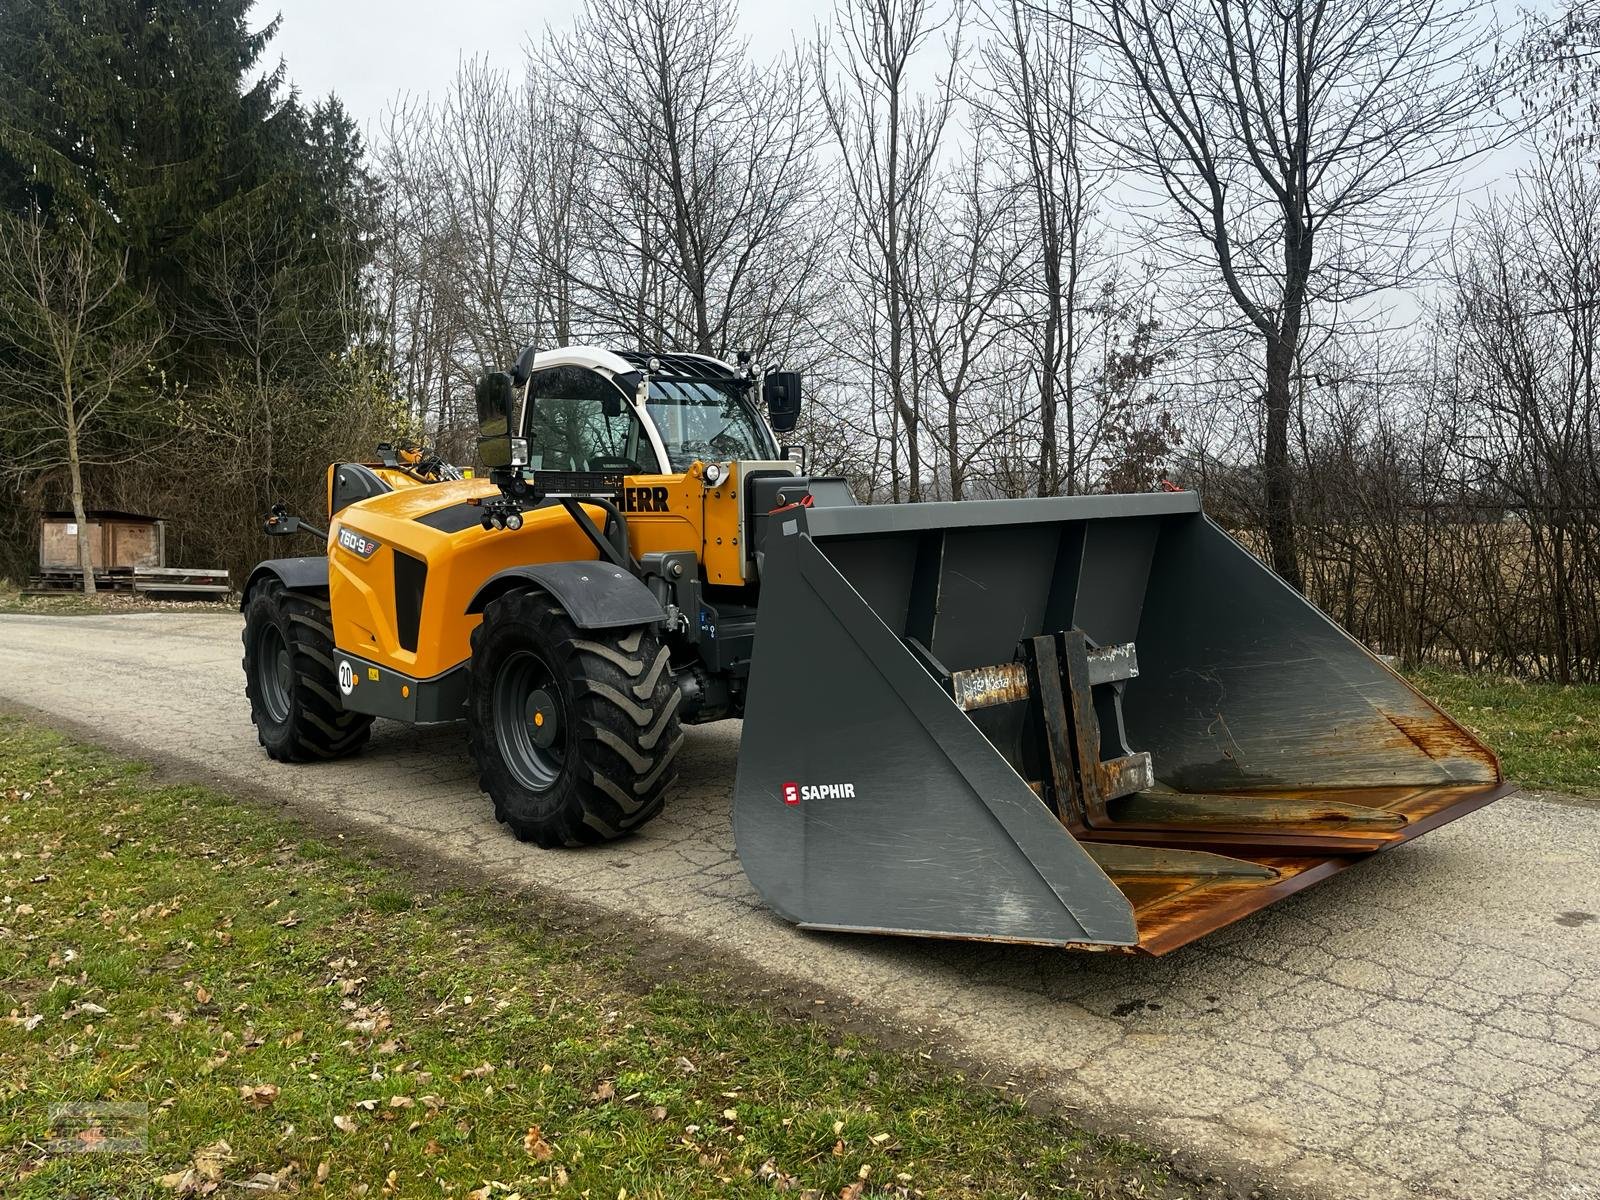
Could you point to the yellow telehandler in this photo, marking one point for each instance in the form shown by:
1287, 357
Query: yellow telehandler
1094, 722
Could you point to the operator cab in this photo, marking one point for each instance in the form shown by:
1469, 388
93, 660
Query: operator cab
584, 413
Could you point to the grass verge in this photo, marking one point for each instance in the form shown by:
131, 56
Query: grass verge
1547, 735
294, 1018
76, 604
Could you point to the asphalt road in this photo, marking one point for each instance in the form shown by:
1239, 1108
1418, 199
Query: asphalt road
1428, 1022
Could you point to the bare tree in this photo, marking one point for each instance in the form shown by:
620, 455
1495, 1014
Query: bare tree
478, 218
484, 170
1555, 68
1039, 100
702, 183
412, 270
560, 158
76, 364
1525, 337
889, 139
964, 267
1302, 146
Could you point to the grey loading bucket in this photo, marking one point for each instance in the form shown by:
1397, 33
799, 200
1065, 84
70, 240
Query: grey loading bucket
1092, 722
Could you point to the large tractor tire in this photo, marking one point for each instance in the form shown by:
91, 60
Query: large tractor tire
574, 731
290, 677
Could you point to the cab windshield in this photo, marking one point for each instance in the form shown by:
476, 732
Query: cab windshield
705, 421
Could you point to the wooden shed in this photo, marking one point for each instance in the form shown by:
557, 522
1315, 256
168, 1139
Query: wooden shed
117, 541
129, 551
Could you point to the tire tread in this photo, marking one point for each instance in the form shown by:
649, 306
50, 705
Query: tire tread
626, 736
318, 728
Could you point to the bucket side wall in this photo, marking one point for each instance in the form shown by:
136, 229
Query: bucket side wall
1245, 685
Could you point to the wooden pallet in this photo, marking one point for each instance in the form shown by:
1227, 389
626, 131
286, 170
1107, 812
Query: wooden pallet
184, 581
57, 582
176, 583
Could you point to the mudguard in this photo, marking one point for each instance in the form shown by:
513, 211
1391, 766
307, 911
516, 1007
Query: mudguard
594, 594
307, 574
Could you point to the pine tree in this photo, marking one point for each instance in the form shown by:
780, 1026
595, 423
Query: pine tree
234, 204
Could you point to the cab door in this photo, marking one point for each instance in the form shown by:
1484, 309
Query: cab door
568, 429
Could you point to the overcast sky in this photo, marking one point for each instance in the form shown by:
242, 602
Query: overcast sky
370, 51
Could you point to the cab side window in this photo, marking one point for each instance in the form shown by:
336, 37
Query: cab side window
569, 430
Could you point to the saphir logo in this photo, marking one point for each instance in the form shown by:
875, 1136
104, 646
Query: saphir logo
793, 793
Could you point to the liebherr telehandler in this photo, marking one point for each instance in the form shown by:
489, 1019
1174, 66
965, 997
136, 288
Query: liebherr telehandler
1094, 722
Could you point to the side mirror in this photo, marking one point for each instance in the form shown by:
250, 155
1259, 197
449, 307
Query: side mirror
496, 397
781, 390
523, 370
279, 523
610, 404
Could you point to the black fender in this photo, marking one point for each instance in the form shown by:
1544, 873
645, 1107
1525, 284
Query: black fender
309, 574
596, 595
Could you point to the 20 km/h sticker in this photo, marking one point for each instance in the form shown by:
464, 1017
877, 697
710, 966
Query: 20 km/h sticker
347, 677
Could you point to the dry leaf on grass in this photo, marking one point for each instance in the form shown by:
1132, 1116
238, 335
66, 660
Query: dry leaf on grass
263, 1181
344, 1124
781, 1181
204, 1173
539, 1149
259, 1095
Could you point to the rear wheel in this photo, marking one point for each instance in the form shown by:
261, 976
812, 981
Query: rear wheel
574, 731
291, 679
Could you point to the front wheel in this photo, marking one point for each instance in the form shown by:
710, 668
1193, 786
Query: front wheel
291, 680
574, 731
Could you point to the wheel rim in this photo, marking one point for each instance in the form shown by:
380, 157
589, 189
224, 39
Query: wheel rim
274, 673
529, 720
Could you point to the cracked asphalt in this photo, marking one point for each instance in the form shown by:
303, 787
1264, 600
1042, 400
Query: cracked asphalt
1428, 1022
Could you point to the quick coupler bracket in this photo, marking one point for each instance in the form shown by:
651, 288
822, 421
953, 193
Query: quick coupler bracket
1075, 691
